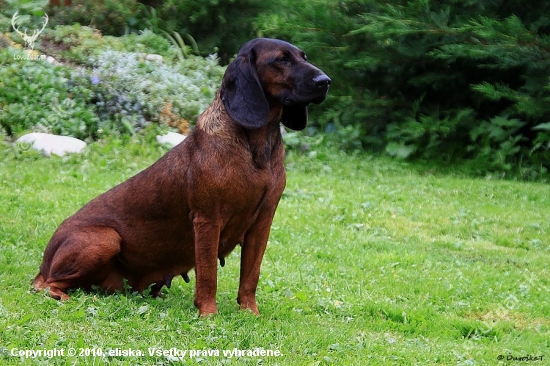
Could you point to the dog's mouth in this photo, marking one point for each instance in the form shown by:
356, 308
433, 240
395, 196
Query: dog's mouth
289, 102
320, 99
304, 100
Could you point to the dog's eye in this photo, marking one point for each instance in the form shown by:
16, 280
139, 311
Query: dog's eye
284, 61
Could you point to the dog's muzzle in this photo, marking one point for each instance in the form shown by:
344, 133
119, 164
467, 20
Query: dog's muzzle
314, 92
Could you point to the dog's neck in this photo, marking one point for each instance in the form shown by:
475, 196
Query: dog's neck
264, 143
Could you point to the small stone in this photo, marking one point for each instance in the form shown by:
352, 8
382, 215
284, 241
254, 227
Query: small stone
51, 144
171, 138
154, 57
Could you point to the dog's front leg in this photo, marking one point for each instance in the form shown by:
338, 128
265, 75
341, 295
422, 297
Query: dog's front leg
207, 236
252, 253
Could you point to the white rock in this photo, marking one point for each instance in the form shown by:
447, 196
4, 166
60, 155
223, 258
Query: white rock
51, 144
154, 57
171, 138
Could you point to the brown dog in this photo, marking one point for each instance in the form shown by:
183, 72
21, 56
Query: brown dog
218, 188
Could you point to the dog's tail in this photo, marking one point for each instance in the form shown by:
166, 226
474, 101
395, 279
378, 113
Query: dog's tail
39, 283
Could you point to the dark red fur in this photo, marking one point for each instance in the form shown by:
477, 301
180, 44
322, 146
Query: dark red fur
217, 189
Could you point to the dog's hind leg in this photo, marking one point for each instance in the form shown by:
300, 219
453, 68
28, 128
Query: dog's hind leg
80, 260
38, 282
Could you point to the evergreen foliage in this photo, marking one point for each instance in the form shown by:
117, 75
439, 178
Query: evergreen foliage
219, 26
446, 80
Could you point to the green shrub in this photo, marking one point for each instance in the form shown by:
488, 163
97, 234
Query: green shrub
110, 17
467, 81
187, 87
74, 43
148, 42
5, 23
83, 45
115, 93
220, 26
34, 94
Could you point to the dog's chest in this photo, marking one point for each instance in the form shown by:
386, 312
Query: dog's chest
249, 190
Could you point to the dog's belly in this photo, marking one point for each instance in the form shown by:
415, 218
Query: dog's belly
157, 244
168, 249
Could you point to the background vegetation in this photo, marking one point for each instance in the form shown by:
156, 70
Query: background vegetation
463, 82
446, 81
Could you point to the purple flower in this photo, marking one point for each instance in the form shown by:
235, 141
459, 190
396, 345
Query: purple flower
95, 79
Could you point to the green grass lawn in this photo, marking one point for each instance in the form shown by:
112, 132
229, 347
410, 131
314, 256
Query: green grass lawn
370, 261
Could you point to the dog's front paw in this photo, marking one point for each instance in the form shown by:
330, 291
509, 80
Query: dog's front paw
206, 308
206, 311
249, 305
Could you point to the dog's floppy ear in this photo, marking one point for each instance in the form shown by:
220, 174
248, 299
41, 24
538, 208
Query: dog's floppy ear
242, 94
295, 117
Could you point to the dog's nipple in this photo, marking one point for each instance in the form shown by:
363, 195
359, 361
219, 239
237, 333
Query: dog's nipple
168, 280
185, 277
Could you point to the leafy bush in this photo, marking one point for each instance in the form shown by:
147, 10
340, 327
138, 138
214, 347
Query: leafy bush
34, 94
122, 93
496, 141
82, 45
73, 43
5, 23
148, 42
220, 26
110, 17
120, 111
188, 87
24, 7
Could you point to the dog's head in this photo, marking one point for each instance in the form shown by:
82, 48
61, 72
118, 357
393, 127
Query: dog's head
272, 72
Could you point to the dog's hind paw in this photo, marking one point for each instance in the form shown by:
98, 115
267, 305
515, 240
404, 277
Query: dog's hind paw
58, 294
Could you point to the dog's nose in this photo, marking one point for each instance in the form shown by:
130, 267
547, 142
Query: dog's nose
322, 81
